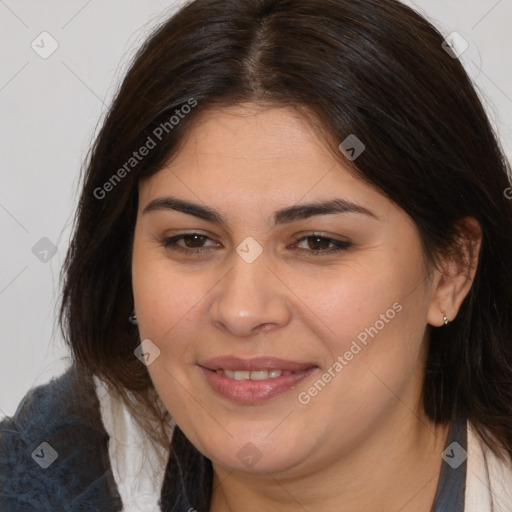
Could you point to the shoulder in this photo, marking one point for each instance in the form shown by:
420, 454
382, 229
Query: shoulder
54, 450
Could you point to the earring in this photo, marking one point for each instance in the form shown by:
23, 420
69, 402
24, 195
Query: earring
445, 320
133, 318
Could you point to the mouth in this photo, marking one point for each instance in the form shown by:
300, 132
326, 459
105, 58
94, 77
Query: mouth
252, 381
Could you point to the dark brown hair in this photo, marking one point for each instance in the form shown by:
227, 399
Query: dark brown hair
372, 68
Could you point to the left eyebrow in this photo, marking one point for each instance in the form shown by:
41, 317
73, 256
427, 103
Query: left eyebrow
303, 211
282, 216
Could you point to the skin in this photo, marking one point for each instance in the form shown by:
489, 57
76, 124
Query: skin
363, 442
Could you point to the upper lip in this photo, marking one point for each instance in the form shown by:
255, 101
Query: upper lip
254, 363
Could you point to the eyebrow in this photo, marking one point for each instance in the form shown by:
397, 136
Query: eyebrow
282, 216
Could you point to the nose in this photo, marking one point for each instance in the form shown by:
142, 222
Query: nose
250, 299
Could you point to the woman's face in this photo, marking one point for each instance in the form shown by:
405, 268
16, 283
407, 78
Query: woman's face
265, 291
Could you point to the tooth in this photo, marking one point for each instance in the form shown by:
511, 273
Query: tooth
259, 375
252, 375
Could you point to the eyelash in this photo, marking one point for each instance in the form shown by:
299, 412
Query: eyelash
170, 243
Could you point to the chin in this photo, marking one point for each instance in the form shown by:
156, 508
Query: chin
258, 456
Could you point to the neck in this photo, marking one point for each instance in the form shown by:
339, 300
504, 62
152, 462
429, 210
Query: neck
397, 467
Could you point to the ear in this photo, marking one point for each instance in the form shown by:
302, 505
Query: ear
453, 277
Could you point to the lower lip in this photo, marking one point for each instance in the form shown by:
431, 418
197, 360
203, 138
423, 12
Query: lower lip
254, 391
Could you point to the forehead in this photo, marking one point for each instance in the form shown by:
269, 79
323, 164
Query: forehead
252, 137
257, 155
254, 132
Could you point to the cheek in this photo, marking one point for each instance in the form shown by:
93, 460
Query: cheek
166, 295
373, 322
357, 300
168, 303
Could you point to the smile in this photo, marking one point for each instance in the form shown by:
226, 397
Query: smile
253, 380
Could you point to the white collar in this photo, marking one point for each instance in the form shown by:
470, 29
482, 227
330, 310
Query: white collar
138, 466
488, 480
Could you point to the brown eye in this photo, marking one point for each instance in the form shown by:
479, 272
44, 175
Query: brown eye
189, 243
319, 245
195, 240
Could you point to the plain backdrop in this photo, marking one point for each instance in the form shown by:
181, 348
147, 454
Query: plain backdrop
50, 111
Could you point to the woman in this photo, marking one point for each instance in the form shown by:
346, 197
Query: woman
289, 283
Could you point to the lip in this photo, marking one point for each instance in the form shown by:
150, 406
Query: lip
254, 391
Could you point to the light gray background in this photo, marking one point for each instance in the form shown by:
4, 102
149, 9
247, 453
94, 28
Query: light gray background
51, 108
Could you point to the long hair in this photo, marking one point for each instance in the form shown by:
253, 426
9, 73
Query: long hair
376, 69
